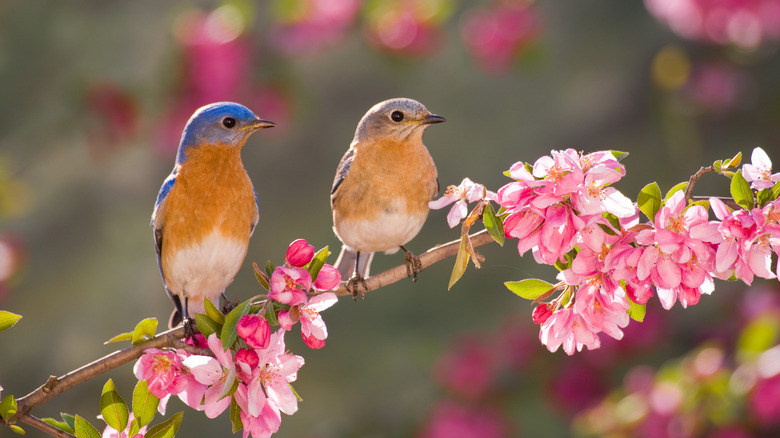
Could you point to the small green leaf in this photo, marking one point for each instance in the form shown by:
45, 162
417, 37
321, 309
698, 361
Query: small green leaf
145, 330
235, 416
134, 428
144, 404
759, 335
261, 277
681, 186
702, 202
317, 262
619, 155
507, 173
120, 337
613, 221
765, 196
113, 407
529, 289
206, 325
649, 200
269, 268
494, 226
461, 262
61, 425
740, 191
70, 420
166, 429
636, 311
775, 192
8, 319
718, 165
84, 429
229, 334
8, 407
270, 316
15, 428
214, 313
734, 162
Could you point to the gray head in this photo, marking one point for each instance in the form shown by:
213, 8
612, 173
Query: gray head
220, 123
397, 119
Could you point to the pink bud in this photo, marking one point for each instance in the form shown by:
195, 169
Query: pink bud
312, 342
541, 313
254, 330
299, 253
328, 278
248, 357
287, 318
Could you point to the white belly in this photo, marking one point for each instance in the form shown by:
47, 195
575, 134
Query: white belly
387, 232
204, 270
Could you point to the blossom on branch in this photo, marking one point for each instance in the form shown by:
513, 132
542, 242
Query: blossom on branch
466, 192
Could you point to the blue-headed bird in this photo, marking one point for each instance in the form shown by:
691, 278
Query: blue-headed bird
206, 209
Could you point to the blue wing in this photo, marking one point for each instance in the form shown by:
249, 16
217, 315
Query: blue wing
158, 243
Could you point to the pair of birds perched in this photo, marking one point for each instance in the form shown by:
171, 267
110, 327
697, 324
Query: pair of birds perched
207, 208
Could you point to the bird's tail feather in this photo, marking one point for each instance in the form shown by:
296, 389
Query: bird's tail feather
346, 263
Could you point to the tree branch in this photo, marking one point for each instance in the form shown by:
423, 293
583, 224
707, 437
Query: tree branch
433, 255
44, 427
694, 179
57, 385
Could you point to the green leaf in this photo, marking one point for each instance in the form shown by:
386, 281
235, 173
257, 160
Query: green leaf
461, 262
270, 315
70, 420
17, 429
166, 429
613, 221
494, 226
675, 189
261, 277
636, 311
740, 191
229, 333
8, 319
214, 313
84, 429
619, 155
8, 407
765, 196
144, 404
775, 192
718, 165
145, 330
61, 425
269, 268
759, 335
317, 262
649, 200
732, 163
113, 407
206, 325
235, 416
120, 337
529, 289
134, 428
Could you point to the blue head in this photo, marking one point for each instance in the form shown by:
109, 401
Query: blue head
222, 122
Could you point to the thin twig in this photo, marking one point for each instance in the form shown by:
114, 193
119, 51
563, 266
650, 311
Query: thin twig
695, 179
44, 427
433, 255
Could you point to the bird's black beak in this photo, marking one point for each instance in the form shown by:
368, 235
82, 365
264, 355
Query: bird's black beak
432, 118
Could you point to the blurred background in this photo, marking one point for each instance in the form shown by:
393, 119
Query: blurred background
94, 95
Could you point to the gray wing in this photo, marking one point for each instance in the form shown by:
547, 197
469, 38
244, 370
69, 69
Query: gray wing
342, 170
176, 317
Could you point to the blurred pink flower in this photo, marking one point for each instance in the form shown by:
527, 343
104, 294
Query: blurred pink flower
468, 367
299, 253
449, 420
290, 285
497, 35
406, 27
313, 25
254, 330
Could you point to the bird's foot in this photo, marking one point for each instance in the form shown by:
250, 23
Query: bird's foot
413, 264
354, 284
229, 305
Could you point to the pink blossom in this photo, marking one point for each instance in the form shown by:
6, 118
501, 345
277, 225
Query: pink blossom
450, 419
565, 327
271, 378
314, 25
248, 357
541, 313
290, 285
254, 330
313, 327
267, 418
218, 374
110, 432
328, 278
468, 367
468, 191
163, 372
759, 172
299, 253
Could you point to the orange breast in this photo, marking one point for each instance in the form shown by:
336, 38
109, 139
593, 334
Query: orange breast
212, 193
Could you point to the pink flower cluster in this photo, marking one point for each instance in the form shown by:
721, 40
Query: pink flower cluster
257, 371
564, 210
313, 24
742, 23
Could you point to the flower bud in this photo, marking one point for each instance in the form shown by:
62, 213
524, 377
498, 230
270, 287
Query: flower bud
328, 278
254, 330
299, 253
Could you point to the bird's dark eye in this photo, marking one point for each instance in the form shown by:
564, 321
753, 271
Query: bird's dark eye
228, 122
397, 116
